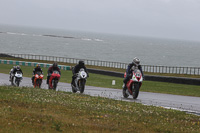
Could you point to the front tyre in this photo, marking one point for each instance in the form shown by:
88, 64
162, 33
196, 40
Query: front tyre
82, 85
135, 90
17, 82
54, 84
124, 93
38, 83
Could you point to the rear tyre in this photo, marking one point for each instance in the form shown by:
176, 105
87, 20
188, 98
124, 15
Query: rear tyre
135, 90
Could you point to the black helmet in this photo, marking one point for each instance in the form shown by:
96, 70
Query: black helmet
17, 67
81, 63
55, 64
136, 60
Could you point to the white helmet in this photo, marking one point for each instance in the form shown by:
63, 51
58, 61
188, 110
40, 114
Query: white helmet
136, 60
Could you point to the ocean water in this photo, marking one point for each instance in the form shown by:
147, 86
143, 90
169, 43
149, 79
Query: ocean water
96, 46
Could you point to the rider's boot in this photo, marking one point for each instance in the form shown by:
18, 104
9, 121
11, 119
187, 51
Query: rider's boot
124, 86
10, 78
47, 79
33, 80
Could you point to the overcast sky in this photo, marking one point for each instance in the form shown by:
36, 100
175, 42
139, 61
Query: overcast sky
178, 19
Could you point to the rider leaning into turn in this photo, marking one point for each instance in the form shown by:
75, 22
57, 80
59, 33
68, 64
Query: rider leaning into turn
136, 62
14, 70
35, 70
77, 68
54, 67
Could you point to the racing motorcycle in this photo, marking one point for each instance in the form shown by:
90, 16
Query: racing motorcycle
134, 84
53, 80
16, 78
38, 79
79, 82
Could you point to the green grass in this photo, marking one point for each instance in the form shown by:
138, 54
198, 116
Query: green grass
106, 81
38, 110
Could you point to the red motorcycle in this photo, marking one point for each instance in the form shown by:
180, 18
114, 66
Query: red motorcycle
53, 80
38, 79
134, 84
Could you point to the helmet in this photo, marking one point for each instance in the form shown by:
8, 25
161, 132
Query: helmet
17, 67
14, 67
81, 63
136, 60
55, 64
38, 65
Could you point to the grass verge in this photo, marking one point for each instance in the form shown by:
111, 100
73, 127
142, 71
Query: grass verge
38, 110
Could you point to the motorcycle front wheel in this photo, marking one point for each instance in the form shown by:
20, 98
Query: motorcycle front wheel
54, 84
38, 83
124, 93
135, 90
17, 82
82, 85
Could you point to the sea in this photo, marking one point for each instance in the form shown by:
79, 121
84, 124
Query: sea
99, 46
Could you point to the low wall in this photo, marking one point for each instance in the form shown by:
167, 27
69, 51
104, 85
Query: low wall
23, 63
146, 68
178, 80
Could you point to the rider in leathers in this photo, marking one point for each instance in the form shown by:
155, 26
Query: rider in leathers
76, 69
51, 69
35, 70
136, 62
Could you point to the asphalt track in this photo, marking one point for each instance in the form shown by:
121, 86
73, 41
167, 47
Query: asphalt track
184, 103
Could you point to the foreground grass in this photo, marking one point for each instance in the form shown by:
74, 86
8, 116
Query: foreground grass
38, 110
106, 81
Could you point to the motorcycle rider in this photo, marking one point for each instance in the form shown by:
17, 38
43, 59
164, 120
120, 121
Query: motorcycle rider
76, 69
51, 69
35, 70
15, 69
136, 62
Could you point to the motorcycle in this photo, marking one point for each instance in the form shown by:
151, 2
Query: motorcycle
38, 79
79, 82
134, 84
16, 78
53, 80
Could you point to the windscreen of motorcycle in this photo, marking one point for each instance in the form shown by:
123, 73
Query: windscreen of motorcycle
18, 74
83, 74
137, 73
56, 72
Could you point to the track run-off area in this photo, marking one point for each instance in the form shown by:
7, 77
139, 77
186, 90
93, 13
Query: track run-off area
183, 103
